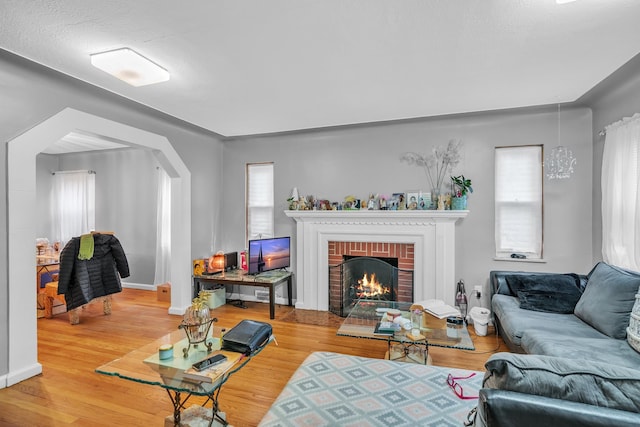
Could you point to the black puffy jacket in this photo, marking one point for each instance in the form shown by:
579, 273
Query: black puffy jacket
83, 280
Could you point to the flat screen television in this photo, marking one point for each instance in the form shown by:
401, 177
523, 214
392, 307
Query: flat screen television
269, 254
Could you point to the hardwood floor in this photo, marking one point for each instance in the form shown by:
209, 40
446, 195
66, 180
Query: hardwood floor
70, 393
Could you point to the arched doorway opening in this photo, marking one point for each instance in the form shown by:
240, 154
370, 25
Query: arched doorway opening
21, 191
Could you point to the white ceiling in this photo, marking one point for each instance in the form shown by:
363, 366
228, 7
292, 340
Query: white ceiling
250, 67
76, 142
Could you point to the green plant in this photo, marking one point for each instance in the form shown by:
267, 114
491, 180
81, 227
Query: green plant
462, 185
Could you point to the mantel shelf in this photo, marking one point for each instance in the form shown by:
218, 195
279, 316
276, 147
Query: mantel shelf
431, 232
402, 215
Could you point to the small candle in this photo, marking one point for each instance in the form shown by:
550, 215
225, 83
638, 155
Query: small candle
165, 351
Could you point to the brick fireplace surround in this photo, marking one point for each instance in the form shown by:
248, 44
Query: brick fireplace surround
432, 234
402, 251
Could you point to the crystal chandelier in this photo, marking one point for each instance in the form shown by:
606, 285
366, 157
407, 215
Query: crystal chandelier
559, 163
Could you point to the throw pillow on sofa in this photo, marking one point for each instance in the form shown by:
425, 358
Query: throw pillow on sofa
552, 293
584, 381
608, 299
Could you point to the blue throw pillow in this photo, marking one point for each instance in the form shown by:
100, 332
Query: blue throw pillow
562, 300
548, 292
541, 282
608, 299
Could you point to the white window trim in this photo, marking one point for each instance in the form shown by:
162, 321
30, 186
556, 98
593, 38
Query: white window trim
263, 201
535, 254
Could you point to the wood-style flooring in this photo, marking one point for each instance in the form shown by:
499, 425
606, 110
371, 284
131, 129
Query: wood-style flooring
70, 393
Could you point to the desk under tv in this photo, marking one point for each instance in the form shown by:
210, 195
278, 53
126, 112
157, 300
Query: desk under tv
268, 279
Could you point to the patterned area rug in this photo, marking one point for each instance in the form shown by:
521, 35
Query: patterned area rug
331, 389
312, 317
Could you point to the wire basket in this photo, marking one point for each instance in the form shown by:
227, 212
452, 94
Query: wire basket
633, 340
197, 333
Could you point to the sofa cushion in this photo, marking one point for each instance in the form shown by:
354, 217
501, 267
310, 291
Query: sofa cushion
580, 346
553, 293
514, 321
608, 299
583, 381
562, 300
549, 282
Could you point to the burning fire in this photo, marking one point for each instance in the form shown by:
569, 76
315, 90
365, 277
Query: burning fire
368, 288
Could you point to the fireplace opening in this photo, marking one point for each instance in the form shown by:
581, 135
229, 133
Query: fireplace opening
363, 277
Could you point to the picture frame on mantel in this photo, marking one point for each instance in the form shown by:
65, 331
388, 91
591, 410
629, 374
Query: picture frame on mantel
424, 201
397, 202
412, 200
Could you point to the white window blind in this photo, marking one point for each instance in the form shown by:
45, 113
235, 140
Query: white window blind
259, 200
518, 201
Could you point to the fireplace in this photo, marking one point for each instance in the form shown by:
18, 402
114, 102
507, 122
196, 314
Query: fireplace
365, 277
431, 234
371, 257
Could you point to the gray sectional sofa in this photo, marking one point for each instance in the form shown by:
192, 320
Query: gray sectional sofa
571, 363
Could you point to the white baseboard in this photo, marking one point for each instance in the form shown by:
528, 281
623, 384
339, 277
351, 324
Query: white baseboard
27, 372
142, 286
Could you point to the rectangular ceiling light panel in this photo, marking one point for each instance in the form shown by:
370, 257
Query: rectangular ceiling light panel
130, 66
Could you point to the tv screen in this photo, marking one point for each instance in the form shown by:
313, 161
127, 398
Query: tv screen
268, 254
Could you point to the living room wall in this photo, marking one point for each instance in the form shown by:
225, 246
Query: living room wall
358, 160
126, 187
32, 93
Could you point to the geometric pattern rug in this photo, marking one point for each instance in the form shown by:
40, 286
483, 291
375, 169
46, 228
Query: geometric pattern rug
331, 389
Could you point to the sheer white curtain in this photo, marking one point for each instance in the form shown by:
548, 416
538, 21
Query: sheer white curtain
620, 195
73, 204
163, 232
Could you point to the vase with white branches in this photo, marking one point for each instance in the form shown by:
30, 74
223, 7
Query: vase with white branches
437, 164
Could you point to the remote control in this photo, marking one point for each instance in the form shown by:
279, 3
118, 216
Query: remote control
211, 361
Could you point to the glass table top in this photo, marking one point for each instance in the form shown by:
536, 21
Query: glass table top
365, 315
143, 365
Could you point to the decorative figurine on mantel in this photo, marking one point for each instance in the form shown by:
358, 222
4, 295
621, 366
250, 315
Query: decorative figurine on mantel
371, 205
293, 199
383, 203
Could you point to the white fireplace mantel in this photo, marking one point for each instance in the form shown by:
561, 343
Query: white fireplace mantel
431, 232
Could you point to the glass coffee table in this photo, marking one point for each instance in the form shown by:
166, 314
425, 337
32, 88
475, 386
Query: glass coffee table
144, 366
366, 314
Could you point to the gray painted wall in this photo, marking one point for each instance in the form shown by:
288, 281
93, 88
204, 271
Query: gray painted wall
359, 160
126, 194
31, 94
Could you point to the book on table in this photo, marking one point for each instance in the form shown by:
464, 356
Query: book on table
215, 372
439, 308
386, 329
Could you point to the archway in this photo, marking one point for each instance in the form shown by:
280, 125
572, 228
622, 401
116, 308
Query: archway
21, 191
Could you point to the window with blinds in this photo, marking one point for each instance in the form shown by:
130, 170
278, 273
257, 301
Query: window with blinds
518, 201
259, 202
